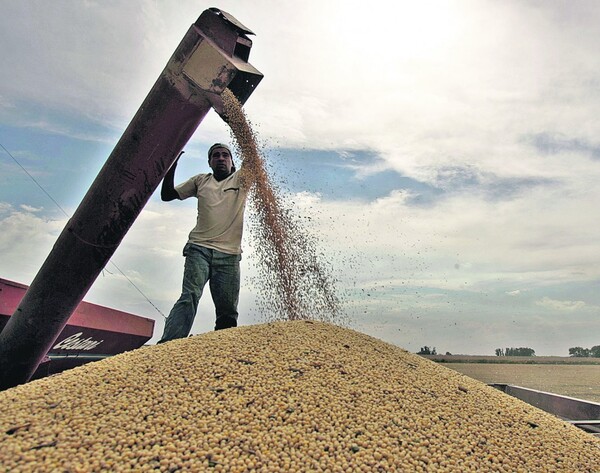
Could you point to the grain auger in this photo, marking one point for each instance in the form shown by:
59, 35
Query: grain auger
212, 56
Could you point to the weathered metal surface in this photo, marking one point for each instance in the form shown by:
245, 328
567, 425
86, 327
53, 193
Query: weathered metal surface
583, 414
214, 47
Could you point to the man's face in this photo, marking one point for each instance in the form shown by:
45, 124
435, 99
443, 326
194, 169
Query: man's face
220, 162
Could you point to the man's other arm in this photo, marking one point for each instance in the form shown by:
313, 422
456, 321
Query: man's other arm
167, 191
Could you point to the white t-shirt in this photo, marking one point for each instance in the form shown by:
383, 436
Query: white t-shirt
221, 207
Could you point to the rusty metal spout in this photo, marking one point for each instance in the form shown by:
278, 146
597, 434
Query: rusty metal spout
212, 56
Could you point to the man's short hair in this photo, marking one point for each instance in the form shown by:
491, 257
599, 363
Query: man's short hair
218, 145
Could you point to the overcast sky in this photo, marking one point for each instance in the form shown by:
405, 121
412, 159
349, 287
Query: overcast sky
446, 152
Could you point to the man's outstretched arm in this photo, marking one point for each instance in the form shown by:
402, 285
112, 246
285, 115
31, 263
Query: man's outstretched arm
167, 191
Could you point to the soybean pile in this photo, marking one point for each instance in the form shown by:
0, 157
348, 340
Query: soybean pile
286, 396
294, 278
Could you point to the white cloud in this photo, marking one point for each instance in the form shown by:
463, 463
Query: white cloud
25, 241
562, 306
443, 93
5, 103
458, 87
29, 208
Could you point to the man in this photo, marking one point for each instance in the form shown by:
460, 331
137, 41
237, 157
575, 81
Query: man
213, 251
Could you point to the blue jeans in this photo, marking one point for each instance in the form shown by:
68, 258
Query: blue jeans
202, 265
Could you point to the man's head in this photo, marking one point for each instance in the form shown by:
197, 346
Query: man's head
220, 160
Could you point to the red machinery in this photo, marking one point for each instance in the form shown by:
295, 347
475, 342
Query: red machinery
211, 57
93, 332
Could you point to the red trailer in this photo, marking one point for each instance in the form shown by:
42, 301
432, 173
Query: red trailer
92, 333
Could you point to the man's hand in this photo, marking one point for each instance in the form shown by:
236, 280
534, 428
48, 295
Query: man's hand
167, 191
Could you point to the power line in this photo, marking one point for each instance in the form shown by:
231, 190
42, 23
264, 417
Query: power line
34, 180
68, 216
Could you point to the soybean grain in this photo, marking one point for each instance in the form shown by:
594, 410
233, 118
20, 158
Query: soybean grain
291, 396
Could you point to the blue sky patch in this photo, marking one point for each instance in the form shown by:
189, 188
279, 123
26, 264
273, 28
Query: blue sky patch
64, 167
347, 175
548, 143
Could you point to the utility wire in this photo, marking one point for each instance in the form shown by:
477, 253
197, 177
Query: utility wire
68, 216
34, 180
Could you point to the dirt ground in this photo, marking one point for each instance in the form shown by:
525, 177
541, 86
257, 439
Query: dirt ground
581, 381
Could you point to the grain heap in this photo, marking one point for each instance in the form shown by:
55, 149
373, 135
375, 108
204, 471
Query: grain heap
279, 397
293, 279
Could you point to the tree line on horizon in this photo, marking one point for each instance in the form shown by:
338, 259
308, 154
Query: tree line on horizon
577, 352
521, 351
580, 352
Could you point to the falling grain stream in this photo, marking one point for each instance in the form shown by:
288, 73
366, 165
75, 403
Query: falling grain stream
294, 282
